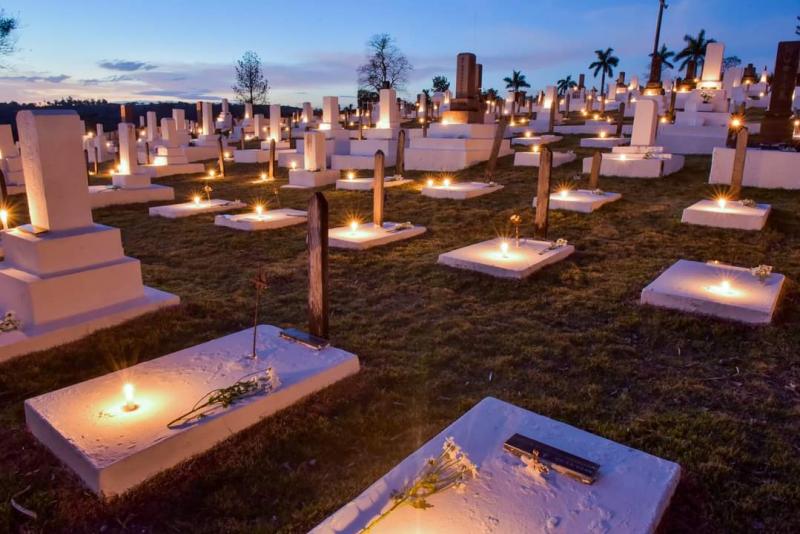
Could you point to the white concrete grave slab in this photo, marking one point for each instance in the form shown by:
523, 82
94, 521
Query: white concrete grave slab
64, 275
314, 172
604, 142
534, 140
501, 258
112, 450
770, 169
353, 183
580, 200
268, 220
365, 236
630, 495
727, 214
188, 209
717, 290
531, 158
459, 190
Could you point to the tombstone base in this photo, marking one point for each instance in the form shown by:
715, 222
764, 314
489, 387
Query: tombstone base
580, 200
15, 189
160, 171
770, 169
733, 215
520, 262
201, 153
367, 184
531, 159
101, 196
311, 179
269, 220
28, 340
461, 190
699, 288
251, 155
369, 236
537, 140
286, 158
187, 209
113, 450
636, 165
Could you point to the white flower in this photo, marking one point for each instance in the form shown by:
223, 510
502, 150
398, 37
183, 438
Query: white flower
761, 272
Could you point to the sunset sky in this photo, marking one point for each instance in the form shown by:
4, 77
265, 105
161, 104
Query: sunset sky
167, 50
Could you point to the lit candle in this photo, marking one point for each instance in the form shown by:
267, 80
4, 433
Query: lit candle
293, 165
4, 218
263, 177
721, 202
196, 200
430, 182
536, 148
724, 289
527, 134
130, 404
446, 182
212, 173
603, 135
735, 123
504, 249
353, 227
563, 193
351, 175
259, 211
623, 157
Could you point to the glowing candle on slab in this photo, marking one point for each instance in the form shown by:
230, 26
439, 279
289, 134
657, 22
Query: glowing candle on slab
130, 404
446, 182
527, 134
723, 289
259, 211
293, 165
263, 177
196, 200
563, 193
536, 148
353, 227
603, 135
4, 218
722, 202
623, 157
430, 182
351, 175
212, 173
504, 249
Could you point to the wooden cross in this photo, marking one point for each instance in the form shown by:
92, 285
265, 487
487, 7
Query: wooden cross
260, 283
594, 176
318, 266
3, 189
551, 120
620, 119
566, 104
272, 154
543, 192
221, 158
739, 157
377, 190
499, 133
400, 163
96, 159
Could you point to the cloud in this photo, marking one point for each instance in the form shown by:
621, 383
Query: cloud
58, 78
125, 66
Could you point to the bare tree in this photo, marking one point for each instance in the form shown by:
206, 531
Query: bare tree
251, 85
386, 65
7, 26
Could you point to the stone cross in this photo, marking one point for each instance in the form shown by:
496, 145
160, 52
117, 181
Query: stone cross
400, 163
543, 192
318, 266
55, 172
499, 134
378, 189
594, 175
739, 157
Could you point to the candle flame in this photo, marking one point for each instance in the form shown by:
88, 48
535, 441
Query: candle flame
128, 391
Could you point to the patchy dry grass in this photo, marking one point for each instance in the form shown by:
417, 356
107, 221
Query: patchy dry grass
571, 343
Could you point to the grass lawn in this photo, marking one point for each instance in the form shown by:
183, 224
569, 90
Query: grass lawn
571, 342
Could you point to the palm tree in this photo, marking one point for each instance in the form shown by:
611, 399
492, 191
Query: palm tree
516, 81
605, 64
664, 54
695, 51
565, 84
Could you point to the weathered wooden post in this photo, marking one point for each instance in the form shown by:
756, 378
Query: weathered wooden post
221, 158
551, 119
318, 266
400, 160
499, 133
620, 119
3, 189
594, 175
543, 192
272, 157
96, 159
567, 98
739, 157
377, 190
146, 152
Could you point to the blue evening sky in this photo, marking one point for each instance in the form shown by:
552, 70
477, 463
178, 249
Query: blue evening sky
167, 49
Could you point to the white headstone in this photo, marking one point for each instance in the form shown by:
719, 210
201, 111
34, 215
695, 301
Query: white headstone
330, 111
7, 147
550, 96
225, 108
141, 121
128, 163
275, 122
209, 127
248, 110
260, 126
314, 151
169, 133
152, 126
179, 116
308, 112
712, 64
389, 113
54, 168
645, 122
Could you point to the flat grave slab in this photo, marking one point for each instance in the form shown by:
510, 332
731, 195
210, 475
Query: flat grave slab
368, 235
112, 449
487, 257
187, 209
460, 190
160, 171
269, 220
101, 196
636, 165
366, 184
732, 215
632, 491
536, 140
531, 159
717, 290
604, 142
580, 200
309, 179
